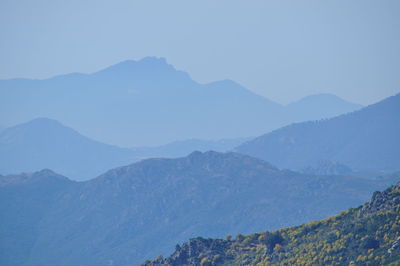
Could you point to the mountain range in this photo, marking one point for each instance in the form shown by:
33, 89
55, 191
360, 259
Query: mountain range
45, 143
150, 103
296, 172
367, 139
185, 147
138, 211
349, 140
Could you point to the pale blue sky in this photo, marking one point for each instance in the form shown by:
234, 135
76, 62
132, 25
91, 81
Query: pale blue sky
280, 49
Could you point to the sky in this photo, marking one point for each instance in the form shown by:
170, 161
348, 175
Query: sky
281, 49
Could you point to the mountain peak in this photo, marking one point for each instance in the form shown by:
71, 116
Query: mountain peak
195, 154
38, 125
47, 172
366, 139
45, 175
149, 60
47, 143
148, 70
44, 121
148, 64
205, 154
323, 98
154, 60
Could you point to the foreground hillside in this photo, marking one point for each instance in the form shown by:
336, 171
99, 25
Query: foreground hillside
141, 210
367, 139
367, 235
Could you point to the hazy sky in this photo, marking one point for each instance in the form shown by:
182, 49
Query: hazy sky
281, 49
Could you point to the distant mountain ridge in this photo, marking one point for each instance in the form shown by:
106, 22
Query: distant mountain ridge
367, 139
148, 102
138, 211
46, 143
185, 147
317, 106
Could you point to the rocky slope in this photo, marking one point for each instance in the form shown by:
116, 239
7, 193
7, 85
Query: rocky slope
366, 235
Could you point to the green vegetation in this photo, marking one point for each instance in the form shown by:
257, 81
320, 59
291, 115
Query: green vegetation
348, 237
367, 235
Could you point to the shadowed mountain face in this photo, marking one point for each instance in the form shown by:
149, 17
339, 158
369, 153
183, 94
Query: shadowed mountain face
141, 210
367, 139
148, 102
24, 200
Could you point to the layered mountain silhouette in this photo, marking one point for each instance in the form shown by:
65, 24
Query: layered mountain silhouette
141, 210
185, 147
149, 102
367, 139
46, 143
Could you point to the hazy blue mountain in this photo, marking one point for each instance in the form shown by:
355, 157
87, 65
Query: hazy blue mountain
367, 139
46, 143
319, 106
147, 103
185, 147
139, 103
141, 210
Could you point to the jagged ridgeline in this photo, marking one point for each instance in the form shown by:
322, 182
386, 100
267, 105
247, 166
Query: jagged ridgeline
367, 235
